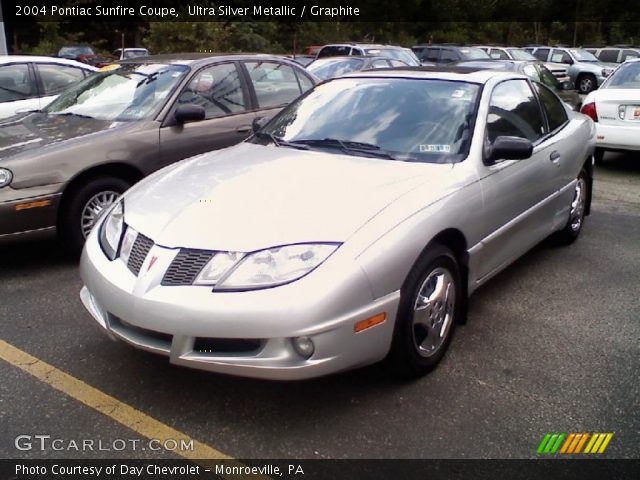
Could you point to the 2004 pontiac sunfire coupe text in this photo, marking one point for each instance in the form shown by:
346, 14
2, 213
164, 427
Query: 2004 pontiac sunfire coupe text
352, 227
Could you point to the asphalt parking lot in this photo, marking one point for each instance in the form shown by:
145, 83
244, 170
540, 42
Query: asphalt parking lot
552, 345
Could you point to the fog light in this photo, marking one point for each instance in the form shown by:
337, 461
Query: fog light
304, 346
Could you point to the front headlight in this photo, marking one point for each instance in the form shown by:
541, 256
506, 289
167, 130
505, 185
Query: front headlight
606, 72
5, 177
111, 231
265, 268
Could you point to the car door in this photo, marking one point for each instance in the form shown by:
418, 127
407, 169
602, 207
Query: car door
18, 89
517, 193
273, 85
221, 90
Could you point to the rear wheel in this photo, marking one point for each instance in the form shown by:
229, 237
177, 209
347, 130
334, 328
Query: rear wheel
572, 229
429, 308
587, 83
85, 206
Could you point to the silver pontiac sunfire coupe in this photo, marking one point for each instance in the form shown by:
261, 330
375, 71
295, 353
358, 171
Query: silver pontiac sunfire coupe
352, 227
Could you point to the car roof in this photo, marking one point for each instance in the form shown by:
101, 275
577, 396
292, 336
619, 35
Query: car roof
465, 74
361, 45
196, 59
4, 59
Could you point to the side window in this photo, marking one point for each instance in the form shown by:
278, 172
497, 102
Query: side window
560, 56
397, 63
218, 89
432, 54
16, 83
275, 84
609, 55
628, 54
547, 78
56, 78
448, 56
556, 113
514, 111
531, 72
541, 54
498, 54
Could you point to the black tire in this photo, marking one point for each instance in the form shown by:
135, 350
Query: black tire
572, 229
598, 156
407, 358
69, 221
586, 83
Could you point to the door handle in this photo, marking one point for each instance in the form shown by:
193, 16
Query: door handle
243, 129
555, 157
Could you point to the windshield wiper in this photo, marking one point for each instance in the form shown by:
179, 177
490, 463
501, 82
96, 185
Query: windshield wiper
279, 142
71, 114
348, 146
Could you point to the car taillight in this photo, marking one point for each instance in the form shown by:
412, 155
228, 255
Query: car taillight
590, 111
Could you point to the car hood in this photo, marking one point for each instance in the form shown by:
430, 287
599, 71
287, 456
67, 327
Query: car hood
28, 131
251, 197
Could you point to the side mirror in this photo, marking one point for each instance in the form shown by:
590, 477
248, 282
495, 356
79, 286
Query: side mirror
258, 123
508, 148
568, 85
189, 113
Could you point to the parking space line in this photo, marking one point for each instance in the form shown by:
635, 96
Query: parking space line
113, 408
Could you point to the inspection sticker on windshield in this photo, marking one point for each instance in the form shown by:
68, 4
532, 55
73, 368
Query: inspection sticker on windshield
435, 148
458, 93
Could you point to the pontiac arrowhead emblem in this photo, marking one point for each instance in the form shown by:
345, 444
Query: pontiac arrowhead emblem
151, 262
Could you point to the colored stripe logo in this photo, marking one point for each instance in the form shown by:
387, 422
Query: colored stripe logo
571, 443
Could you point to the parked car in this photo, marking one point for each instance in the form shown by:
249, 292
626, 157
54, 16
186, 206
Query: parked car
30, 82
61, 167
122, 53
615, 54
303, 60
536, 71
448, 53
361, 49
511, 53
353, 226
331, 67
584, 69
615, 109
72, 52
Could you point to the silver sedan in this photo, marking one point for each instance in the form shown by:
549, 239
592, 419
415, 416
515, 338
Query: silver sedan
351, 228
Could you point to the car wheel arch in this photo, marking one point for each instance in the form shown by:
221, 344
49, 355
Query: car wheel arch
455, 240
122, 171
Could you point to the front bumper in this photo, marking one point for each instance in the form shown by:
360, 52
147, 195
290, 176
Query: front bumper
173, 321
26, 215
618, 137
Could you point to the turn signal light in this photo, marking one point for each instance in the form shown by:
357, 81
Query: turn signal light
369, 322
590, 111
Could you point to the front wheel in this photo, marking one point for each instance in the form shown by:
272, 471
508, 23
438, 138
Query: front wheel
572, 229
429, 307
84, 207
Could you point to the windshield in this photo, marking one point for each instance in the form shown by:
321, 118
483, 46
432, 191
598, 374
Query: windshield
129, 92
583, 55
331, 67
518, 54
420, 120
131, 53
404, 54
627, 76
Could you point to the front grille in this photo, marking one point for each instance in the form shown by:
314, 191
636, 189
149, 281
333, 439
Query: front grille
139, 252
186, 266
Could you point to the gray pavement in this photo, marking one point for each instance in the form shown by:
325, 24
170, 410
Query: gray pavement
552, 345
